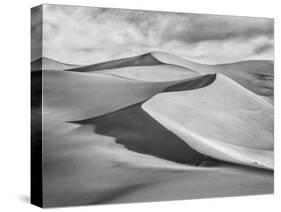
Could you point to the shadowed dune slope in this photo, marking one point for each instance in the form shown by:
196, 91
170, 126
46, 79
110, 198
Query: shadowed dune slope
112, 173
137, 131
195, 83
45, 63
74, 154
224, 110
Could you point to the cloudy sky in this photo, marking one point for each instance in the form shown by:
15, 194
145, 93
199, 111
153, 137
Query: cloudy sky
87, 35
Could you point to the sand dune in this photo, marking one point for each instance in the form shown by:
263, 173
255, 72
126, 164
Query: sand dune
69, 92
141, 60
128, 133
84, 95
45, 63
257, 76
224, 110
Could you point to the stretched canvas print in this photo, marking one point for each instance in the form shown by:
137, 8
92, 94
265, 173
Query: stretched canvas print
133, 106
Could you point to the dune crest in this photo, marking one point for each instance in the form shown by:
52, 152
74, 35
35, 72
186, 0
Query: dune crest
256, 75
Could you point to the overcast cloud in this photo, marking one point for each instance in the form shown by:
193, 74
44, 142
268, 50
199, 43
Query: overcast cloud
86, 35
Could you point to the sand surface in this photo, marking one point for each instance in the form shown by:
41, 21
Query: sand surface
81, 167
103, 142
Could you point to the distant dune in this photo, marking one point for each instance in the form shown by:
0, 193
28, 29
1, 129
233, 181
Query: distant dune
255, 75
142, 60
45, 63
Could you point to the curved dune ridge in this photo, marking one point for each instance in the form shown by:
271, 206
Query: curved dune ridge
257, 76
214, 120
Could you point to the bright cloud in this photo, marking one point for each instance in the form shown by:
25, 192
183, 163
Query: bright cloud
87, 35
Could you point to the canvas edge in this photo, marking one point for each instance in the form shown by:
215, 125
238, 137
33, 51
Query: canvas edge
36, 178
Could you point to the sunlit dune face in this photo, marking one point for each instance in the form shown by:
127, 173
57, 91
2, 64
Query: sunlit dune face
219, 114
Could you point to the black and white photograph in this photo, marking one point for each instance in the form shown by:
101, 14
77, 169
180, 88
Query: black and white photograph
132, 106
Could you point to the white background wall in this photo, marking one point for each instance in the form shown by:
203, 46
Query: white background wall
15, 103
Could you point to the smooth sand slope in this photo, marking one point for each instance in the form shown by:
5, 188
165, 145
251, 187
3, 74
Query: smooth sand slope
155, 73
85, 95
81, 167
214, 120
